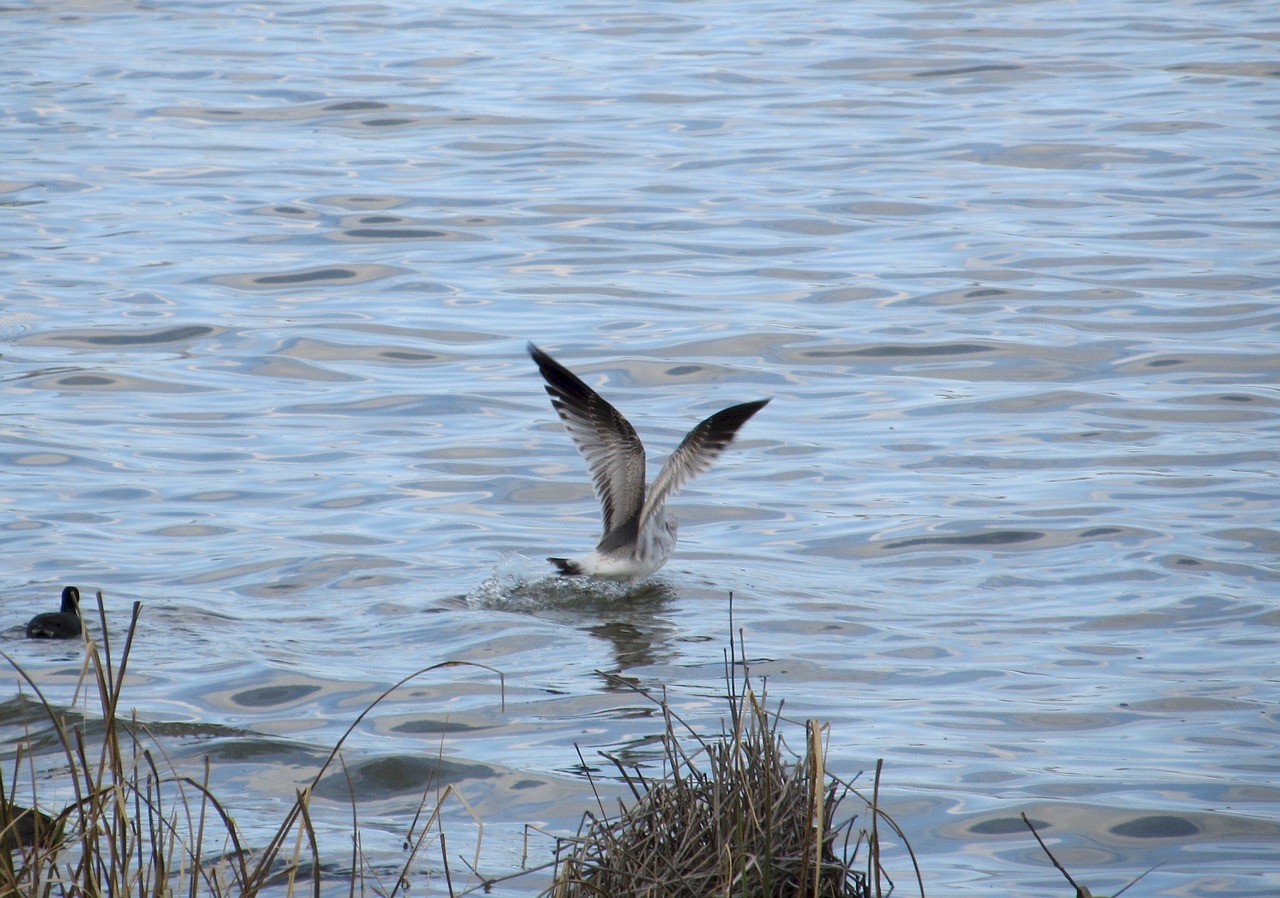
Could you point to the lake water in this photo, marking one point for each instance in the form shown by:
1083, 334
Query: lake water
1009, 273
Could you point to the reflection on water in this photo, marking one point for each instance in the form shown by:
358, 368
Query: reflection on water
1010, 523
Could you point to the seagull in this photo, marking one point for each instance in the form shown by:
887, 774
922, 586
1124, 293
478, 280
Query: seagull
638, 533
64, 624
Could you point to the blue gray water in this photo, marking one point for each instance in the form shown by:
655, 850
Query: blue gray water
1009, 272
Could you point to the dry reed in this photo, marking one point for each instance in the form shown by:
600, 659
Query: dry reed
738, 814
137, 827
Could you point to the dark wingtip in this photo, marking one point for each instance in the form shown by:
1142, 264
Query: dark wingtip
567, 568
539, 355
561, 383
548, 366
736, 415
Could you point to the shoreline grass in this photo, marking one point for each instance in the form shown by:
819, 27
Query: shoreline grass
139, 827
735, 813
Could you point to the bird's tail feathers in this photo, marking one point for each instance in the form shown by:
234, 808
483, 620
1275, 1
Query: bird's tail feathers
568, 567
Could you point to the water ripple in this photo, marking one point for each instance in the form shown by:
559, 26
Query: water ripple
1009, 521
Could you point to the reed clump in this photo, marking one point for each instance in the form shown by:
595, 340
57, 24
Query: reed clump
137, 827
735, 814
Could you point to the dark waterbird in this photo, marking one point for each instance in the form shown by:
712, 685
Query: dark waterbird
64, 624
22, 826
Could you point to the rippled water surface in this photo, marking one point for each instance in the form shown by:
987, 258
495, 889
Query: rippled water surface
1008, 271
